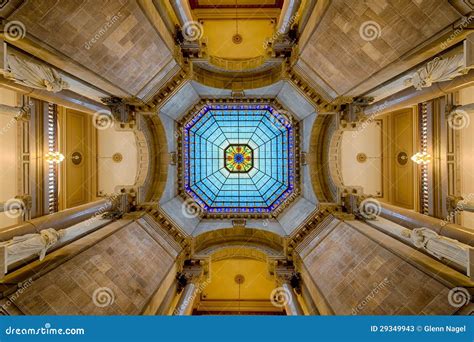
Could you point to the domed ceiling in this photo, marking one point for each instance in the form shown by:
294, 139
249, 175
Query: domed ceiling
239, 159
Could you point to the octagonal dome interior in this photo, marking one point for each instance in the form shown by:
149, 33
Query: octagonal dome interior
239, 158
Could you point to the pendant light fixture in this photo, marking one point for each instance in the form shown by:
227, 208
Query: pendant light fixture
236, 38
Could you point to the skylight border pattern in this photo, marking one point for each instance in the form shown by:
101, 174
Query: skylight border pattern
291, 192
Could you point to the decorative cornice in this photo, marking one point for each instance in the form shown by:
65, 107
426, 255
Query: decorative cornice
167, 224
237, 80
309, 93
171, 87
272, 243
312, 225
320, 155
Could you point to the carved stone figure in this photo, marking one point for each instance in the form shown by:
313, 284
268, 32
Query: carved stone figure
439, 246
21, 247
438, 70
34, 75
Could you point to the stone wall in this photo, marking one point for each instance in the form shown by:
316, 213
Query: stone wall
355, 275
367, 36
116, 276
112, 39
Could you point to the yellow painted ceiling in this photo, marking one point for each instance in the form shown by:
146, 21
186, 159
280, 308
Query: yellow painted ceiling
258, 284
218, 35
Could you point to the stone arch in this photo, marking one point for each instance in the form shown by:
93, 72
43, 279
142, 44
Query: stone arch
260, 241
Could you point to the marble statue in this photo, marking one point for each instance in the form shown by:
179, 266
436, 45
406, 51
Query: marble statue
21, 247
438, 70
32, 74
439, 246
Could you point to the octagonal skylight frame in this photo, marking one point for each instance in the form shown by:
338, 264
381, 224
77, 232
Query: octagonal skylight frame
280, 118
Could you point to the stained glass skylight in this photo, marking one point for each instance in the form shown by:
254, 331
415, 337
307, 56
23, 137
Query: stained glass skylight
238, 158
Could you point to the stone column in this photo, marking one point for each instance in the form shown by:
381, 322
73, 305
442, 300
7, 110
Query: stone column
285, 278
62, 219
467, 108
191, 276
186, 302
287, 16
456, 204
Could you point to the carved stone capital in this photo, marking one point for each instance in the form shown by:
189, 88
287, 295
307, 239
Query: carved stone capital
304, 158
452, 203
119, 108
192, 272
239, 223
351, 198
354, 111
287, 274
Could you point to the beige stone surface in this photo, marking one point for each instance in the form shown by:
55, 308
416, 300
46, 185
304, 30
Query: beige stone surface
130, 263
127, 50
338, 54
358, 276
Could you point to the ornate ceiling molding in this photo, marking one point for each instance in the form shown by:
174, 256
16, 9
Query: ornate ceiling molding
237, 236
240, 251
236, 80
322, 105
311, 227
168, 90
167, 224
321, 158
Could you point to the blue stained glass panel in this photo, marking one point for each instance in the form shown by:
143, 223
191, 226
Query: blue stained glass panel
216, 135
